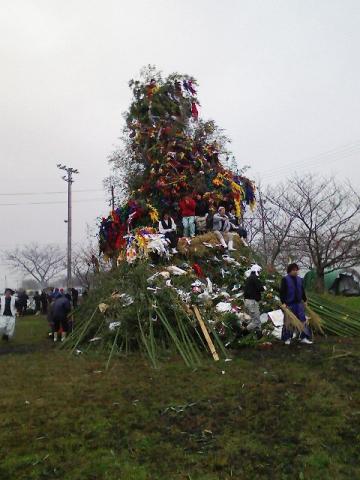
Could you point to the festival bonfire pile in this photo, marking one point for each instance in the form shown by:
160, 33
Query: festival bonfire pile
175, 305
153, 301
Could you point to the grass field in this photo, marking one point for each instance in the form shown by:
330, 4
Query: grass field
350, 302
285, 413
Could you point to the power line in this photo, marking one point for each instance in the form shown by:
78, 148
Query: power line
51, 203
49, 193
307, 165
332, 155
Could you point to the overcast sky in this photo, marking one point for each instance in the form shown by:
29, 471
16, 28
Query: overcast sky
281, 77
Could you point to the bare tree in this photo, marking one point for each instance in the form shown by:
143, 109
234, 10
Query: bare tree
253, 228
88, 262
269, 227
41, 262
325, 228
86, 265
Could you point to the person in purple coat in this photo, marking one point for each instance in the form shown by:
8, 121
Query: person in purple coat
293, 296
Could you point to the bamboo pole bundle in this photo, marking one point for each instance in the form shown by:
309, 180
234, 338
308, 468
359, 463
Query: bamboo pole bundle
335, 319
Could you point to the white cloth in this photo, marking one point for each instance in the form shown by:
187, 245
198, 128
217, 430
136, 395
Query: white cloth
252, 307
7, 325
277, 318
224, 237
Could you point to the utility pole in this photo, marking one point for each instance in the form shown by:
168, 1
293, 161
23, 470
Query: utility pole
69, 179
112, 198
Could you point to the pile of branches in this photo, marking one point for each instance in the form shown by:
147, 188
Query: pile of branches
336, 319
189, 304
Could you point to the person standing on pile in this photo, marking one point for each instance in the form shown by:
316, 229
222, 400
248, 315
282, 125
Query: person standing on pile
222, 227
187, 209
293, 296
8, 314
201, 213
253, 288
236, 227
60, 311
167, 227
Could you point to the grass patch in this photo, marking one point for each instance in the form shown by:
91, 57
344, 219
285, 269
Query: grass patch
287, 413
348, 302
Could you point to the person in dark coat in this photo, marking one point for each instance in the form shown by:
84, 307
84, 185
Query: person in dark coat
37, 300
60, 311
253, 288
75, 297
235, 225
22, 299
201, 213
44, 302
293, 296
55, 294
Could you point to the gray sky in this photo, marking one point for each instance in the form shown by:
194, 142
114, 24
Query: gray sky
281, 77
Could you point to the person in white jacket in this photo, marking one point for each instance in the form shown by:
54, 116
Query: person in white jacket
222, 227
8, 314
167, 227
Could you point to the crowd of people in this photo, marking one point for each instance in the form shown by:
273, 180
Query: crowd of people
55, 304
199, 216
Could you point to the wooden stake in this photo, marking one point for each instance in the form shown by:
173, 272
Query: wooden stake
206, 334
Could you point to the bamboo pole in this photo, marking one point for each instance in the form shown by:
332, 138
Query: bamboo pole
206, 334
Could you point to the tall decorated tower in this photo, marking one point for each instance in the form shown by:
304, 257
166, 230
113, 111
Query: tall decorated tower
169, 152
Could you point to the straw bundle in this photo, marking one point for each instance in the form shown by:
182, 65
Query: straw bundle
315, 320
291, 321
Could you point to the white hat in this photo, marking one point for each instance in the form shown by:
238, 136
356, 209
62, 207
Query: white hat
254, 269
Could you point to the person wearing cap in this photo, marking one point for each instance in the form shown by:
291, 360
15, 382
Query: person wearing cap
222, 227
8, 314
253, 288
293, 296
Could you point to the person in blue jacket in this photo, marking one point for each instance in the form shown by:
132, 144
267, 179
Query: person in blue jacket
293, 296
60, 310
